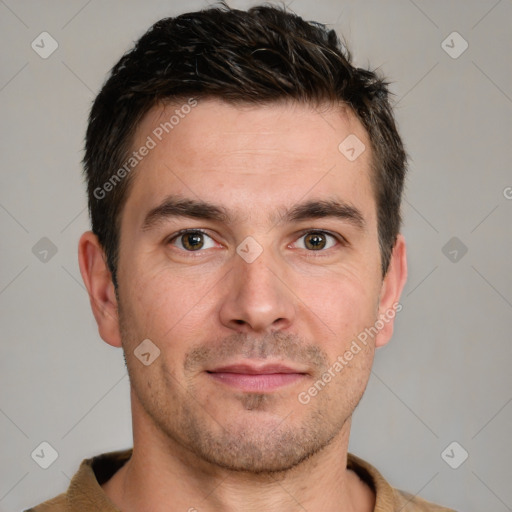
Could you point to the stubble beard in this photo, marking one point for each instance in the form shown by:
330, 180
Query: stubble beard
251, 445
256, 448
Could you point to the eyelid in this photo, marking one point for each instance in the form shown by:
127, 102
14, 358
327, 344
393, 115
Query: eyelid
185, 231
339, 238
181, 232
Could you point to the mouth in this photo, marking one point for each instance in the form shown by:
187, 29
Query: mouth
257, 378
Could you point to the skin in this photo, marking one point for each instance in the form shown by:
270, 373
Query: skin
200, 443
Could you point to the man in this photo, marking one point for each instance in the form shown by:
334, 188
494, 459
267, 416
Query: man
244, 188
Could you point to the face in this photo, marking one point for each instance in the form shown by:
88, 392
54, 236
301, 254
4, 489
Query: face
249, 256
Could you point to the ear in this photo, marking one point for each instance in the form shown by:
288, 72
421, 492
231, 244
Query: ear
98, 281
392, 286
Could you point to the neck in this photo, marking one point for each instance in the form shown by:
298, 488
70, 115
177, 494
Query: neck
162, 476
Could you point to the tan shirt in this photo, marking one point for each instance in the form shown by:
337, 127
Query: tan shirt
85, 492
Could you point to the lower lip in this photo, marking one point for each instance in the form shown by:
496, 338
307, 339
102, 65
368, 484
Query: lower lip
257, 383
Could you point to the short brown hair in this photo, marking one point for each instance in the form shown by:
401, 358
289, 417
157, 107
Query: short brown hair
263, 55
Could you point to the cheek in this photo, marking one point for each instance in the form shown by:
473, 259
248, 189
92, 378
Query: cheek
170, 308
344, 303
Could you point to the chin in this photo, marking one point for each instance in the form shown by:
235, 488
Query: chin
264, 443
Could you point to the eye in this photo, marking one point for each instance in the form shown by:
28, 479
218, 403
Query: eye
316, 241
192, 240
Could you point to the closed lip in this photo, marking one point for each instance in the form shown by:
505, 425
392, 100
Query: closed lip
257, 377
257, 369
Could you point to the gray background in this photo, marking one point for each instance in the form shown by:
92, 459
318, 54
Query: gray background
446, 374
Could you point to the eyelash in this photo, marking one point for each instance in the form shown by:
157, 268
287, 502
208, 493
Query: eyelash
340, 239
186, 232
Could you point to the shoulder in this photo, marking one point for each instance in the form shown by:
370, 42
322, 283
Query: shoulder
387, 497
57, 504
410, 503
85, 492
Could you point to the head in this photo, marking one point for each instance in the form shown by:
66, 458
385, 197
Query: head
253, 132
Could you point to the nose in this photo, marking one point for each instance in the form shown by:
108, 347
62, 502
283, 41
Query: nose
256, 298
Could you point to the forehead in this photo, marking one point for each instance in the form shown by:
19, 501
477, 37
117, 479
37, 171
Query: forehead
250, 158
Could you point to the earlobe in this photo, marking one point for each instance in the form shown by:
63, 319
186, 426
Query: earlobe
98, 281
392, 286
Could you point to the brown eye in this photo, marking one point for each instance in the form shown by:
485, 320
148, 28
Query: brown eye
192, 241
315, 241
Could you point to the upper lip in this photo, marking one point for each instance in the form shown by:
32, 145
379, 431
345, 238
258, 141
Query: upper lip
256, 369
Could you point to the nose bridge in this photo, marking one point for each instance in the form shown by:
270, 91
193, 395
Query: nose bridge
258, 279
256, 298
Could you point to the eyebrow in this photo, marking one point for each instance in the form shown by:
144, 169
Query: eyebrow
173, 206
325, 208
177, 207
